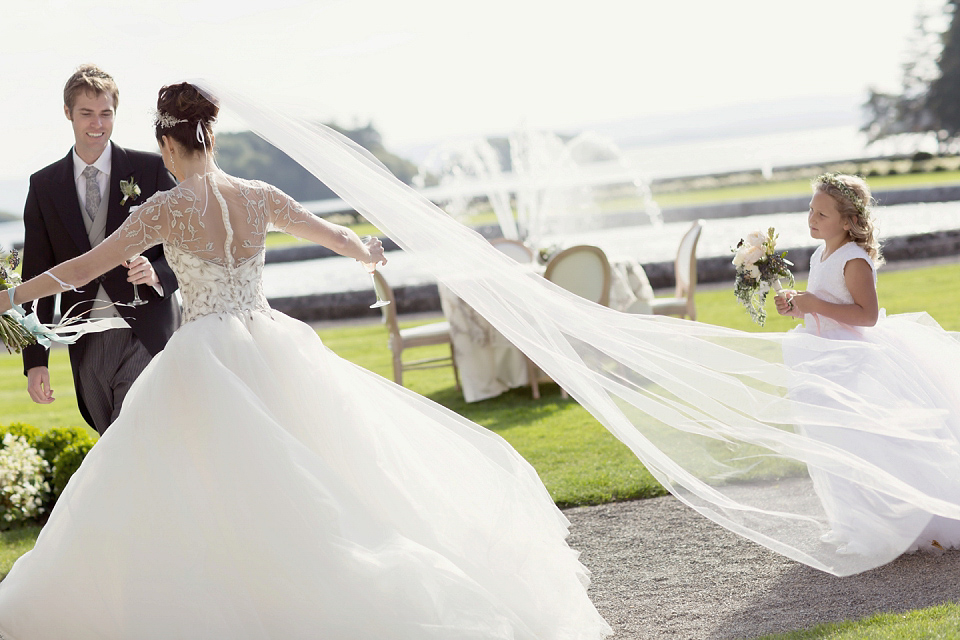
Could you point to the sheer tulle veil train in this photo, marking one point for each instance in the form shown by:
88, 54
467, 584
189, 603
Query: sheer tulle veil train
713, 413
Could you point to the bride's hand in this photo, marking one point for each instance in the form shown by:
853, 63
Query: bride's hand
140, 271
374, 249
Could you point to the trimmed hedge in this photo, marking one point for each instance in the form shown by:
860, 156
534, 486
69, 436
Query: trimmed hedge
64, 448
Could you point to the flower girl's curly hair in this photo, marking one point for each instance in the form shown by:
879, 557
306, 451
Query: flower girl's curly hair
182, 112
854, 202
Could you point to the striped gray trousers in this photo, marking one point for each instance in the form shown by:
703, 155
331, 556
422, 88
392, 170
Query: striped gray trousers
111, 361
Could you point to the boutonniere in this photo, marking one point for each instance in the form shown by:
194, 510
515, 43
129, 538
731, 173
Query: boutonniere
129, 189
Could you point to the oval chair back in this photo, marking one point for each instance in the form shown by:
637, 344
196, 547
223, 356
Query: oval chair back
583, 270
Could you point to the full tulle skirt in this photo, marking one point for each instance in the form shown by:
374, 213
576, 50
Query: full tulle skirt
907, 360
256, 485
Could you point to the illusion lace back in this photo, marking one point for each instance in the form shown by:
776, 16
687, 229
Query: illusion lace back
214, 228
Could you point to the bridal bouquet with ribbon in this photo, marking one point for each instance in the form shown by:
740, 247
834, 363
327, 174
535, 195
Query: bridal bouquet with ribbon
759, 268
19, 329
13, 334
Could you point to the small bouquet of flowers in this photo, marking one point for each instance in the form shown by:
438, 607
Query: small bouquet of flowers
19, 329
759, 268
545, 253
13, 335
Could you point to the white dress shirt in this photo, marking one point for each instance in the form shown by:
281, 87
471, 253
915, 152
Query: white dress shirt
103, 164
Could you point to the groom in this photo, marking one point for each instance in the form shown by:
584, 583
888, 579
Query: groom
72, 205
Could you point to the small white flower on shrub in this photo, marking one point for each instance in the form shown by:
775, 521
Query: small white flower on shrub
23, 484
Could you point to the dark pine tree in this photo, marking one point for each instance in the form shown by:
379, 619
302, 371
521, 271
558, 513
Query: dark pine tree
943, 99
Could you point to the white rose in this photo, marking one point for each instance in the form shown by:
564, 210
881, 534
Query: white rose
754, 271
752, 254
757, 238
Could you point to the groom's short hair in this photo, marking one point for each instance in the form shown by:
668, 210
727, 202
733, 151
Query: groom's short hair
90, 78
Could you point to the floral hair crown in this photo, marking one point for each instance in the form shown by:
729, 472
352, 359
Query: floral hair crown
167, 121
833, 179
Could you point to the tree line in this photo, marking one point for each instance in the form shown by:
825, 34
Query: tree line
929, 99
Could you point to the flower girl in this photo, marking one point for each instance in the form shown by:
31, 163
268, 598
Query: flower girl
907, 364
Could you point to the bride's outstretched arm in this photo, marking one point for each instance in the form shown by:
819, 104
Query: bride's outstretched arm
142, 230
289, 216
73, 273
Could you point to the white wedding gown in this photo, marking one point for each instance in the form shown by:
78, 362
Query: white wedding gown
905, 365
258, 486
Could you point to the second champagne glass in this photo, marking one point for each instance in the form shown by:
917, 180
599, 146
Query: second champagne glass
371, 268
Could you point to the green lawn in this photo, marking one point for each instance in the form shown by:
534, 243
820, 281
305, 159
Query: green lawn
934, 623
578, 460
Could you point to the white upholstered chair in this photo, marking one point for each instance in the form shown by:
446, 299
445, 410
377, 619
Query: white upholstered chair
682, 303
583, 270
400, 339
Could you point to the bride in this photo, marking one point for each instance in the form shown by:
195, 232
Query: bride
258, 486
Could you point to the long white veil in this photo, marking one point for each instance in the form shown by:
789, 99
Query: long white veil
715, 414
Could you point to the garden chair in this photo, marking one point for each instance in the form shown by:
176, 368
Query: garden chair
399, 339
682, 303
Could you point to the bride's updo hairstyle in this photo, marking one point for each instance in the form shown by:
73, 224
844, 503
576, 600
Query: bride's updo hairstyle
854, 202
183, 113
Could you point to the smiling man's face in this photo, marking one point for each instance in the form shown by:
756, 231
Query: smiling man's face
92, 118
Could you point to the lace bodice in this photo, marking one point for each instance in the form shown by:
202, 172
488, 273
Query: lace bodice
826, 279
213, 229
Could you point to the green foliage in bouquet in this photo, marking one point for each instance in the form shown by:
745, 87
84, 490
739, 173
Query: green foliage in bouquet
759, 268
13, 336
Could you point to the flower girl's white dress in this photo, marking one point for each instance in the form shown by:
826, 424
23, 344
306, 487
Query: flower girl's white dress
256, 485
907, 360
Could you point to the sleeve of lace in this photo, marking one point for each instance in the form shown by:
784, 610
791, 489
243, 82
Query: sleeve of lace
289, 216
285, 214
146, 227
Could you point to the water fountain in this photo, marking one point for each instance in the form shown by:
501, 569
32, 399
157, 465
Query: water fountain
540, 185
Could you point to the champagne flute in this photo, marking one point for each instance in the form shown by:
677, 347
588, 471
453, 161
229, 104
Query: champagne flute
371, 267
137, 301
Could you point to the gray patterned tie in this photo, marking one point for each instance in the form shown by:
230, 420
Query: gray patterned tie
93, 191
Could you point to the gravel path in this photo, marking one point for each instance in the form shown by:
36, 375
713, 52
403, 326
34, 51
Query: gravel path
660, 570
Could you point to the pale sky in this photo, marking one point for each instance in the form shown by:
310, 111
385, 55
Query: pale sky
426, 70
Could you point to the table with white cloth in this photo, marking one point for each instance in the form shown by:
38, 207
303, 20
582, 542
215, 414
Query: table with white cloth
489, 364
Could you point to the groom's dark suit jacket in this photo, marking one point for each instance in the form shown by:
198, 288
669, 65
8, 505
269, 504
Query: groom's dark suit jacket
54, 232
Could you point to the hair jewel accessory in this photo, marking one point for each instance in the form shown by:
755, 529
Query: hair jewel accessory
167, 121
833, 180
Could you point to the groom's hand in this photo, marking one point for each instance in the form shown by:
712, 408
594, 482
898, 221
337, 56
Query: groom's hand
38, 385
140, 271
